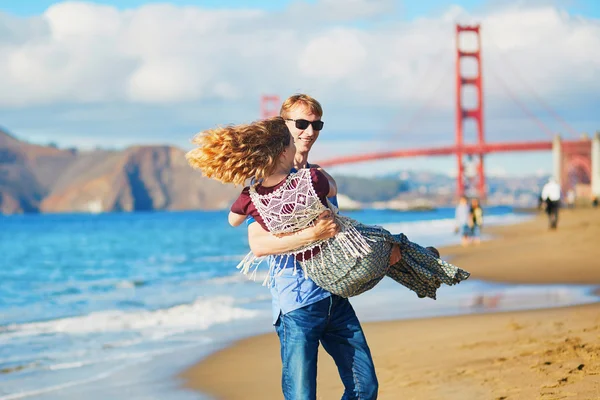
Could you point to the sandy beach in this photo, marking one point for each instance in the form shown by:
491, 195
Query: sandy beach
539, 354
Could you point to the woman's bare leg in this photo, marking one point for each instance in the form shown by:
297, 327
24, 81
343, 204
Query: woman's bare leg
395, 254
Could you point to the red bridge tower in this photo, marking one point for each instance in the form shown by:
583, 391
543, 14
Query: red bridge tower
269, 106
463, 113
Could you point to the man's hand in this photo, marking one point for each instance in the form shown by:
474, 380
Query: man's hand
263, 243
332, 184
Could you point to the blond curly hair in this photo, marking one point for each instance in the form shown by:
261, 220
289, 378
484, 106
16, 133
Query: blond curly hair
236, 153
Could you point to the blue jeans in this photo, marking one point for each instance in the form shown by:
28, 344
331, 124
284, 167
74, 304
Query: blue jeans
332, 322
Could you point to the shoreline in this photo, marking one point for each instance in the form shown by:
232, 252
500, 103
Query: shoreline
523, 253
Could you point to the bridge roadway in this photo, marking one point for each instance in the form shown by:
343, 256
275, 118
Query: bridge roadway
472, 149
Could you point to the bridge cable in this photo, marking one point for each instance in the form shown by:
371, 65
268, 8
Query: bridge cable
426, 104
434, 62
523, 107
545, 105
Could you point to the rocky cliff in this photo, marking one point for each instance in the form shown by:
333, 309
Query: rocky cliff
28, 173
37, 178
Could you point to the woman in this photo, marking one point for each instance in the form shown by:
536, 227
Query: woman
348, 264
476, 215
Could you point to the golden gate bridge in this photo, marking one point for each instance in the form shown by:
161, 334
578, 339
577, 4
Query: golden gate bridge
574, 161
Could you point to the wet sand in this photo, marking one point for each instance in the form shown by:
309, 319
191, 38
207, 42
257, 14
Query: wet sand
539, 354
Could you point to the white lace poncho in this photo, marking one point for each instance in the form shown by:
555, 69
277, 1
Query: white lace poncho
292, 207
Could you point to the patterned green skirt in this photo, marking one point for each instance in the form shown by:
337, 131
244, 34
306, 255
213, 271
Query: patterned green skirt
419, 269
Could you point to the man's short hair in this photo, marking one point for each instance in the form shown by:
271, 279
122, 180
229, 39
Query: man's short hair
301, 100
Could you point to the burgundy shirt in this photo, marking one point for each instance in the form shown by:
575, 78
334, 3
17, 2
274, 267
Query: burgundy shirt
244, 206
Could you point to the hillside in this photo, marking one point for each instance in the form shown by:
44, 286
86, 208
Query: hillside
37, 178
28, 173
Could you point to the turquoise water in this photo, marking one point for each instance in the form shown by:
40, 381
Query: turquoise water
113, 305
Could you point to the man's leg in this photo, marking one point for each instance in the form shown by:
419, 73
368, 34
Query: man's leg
345, 341
299, 332
553, 214
476, 234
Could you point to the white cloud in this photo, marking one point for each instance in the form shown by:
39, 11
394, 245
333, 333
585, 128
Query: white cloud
84, 20
549, 48
342, 10
335, 55
84, 52
164, 81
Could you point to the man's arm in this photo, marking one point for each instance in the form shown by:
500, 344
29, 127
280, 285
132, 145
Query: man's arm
263, 243
332, 184
545, 192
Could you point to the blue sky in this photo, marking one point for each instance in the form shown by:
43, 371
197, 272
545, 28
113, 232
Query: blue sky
409, 9
100, 74
33, 7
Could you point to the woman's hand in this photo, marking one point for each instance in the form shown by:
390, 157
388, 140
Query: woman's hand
325, 226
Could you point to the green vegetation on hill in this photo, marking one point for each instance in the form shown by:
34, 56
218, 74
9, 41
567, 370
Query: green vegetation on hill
368, 190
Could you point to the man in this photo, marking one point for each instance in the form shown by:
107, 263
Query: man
551, 196
305, 315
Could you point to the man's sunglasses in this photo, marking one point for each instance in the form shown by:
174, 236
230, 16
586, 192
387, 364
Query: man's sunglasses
303, 124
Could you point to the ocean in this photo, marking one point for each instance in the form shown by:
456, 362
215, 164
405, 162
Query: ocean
101, 306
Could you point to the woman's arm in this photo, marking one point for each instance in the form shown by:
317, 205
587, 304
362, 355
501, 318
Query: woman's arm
332, 184
235, 219
263, 243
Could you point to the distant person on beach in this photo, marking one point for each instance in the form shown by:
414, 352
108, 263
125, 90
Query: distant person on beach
551, 197
287, 204
571, 198
595, 202
463, 220
476, 215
